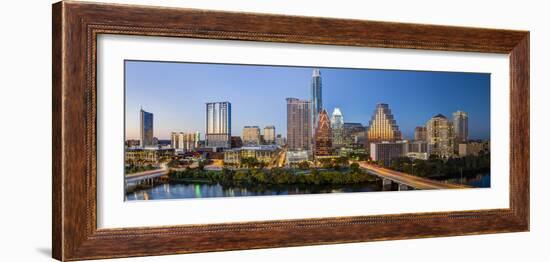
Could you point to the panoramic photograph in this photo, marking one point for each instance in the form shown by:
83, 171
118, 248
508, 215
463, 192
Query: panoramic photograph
203, 130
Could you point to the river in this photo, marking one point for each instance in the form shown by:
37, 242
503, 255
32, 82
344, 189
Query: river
200, 190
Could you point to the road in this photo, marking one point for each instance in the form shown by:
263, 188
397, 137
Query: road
279, 160
147, 174
409, 180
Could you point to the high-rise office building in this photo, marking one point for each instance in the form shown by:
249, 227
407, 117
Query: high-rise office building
146, 128
354, 134
269, 134
316, 97
218, 125
298, 124
382, 126
420, 133
440, 136
323, 135
337, 125
386, 151
460, 124
251, 136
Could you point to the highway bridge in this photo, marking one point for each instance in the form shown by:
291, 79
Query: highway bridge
405, 180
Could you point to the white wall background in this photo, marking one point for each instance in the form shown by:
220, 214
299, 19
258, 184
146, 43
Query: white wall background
25, 106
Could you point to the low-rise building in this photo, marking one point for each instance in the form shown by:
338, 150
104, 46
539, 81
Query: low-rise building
297, 156
418, 155
386, 151
148, 154
264, 153
472, 148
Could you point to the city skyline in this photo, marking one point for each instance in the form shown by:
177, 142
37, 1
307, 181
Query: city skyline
171, 92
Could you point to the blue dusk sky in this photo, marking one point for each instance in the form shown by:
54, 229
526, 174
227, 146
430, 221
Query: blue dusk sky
176, 94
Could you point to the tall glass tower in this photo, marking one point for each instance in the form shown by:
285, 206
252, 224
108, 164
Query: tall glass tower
316, 97
146, 128
218, 124
460, 123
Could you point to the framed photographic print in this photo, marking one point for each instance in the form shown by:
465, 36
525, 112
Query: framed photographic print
182, 130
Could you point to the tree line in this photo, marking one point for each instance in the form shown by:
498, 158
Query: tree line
275, 176
436, 167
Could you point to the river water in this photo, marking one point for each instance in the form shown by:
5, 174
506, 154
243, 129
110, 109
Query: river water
200, 190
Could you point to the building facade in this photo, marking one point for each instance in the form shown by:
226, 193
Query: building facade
298, 124
323, 136
296, 157
473, 148
316, 97
218, 125
269, 134
337, 125
382, 126
181, 141
263, 154
460, 125
420, 133
146, 128
147, 155
236, 141
440, 136
251, 136
354, 135
386, 151
280, 140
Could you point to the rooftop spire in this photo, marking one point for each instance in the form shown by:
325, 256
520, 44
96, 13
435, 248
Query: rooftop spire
316, 72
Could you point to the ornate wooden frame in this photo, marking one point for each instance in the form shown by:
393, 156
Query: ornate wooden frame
76, 26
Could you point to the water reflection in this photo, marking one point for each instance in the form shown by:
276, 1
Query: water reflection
197, 190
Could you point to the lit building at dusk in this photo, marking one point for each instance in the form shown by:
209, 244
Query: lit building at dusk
298, 124
440, 136
323, 136
337, 125
420, 133
382, 126
218, 125
263, 153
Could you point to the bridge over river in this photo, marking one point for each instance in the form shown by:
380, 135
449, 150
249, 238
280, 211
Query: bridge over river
405, 180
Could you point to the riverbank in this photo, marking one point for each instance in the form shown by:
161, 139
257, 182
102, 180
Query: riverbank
278, 176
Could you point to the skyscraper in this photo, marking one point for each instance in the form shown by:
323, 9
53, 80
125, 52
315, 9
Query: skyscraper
269, 134
337, 125
146, 128
298, 118
251, 136
440, 137
460, 124
218, 124
316, 97
323, 135
382, 126
420, 133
